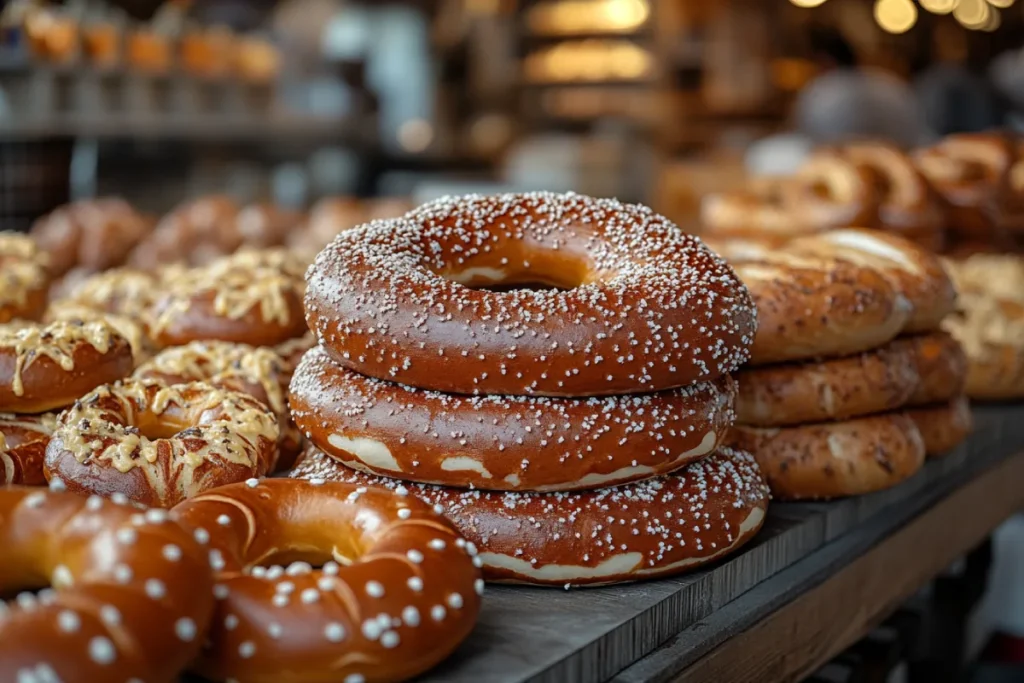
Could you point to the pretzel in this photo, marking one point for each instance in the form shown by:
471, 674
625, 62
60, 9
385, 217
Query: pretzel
122, 291
940, 366
24, 278
505, 443
655, 528
991, 332
194, 233
158, 444
398, 590
835, 459
129, 328
944, 426
23, 440
915, 273
131, 593
90, 235
43, 368
394, 300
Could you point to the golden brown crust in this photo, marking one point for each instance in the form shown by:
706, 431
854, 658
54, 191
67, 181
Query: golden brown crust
915, 273
650, 308
835, 459
940, 365
505, 443
129, 328
991, 332
131, 592
158, 444
44, 368
804, 392
91, 235
811, 307
826, 193
258, 372
656, 528
23, 440
328, 218
404, 592
195, 233
944, 426
24, 278
250, 298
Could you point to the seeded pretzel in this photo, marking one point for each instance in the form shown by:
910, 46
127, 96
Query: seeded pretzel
24, 278
835, 459
250, 298
44, 368
130, 596
649, 308
506, 443
159, 444
397, 593
258, 372
943, 426
656, 528
23, 440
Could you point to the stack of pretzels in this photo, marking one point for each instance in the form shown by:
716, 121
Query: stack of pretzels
963, 195
851, 382
550, 371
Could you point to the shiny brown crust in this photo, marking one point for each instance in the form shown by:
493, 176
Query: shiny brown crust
405, 595
91, 235
945, 426
972, 173
23, 440
819, 391
811, 307
131, 329
248, 298
835, 459
915, 273
158, 444
43, 368
505, 443
825, 194
195, 233
908, 206
24, 278
258, 372
130, 596
991, 332
651, 308
656, 528
940, 365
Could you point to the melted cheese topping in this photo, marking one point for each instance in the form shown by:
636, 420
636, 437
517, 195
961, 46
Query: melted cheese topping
57, 341
22, 268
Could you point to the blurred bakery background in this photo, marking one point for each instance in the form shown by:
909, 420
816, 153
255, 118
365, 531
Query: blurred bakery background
302, 117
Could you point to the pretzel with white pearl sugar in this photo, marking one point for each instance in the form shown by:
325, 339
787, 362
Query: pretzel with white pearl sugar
508, 443
397, 592
129, 599
655, 528
648, 307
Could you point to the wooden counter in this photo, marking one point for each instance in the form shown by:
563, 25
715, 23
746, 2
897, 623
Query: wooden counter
814, 581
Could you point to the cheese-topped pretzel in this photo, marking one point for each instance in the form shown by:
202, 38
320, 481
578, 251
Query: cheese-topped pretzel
24, 278
122, 291
159, 444
915, 273
648, 306
250, 298
258, 372
826, 193
129, 328
814, 307
991, 332
126, 595
23, 440
397, 591
47, 367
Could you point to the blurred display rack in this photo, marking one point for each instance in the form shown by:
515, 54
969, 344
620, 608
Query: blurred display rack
78, 100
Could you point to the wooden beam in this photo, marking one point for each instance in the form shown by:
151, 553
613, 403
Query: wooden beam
795, 640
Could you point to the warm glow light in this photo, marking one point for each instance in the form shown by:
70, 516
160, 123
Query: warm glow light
895, 16
589, 16
939, 6
807, 3
994, 21
415, 135
972, 13
1001, 4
